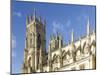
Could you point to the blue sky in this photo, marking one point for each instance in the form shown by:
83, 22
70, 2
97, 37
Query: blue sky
59, 17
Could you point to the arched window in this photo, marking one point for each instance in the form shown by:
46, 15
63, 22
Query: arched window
87, 49
78, 53
63, 55
38, 40
68, 55
83, 47
56, 58
68, 52
93, 47
79, 48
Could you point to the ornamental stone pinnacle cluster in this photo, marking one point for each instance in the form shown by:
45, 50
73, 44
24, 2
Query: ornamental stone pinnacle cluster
76, 55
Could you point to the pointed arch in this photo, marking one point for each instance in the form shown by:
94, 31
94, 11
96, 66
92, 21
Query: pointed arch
93, 47
63, 55
84, 44
73, 47
87, 48
68, 52
63, 52
93, 43
79, 47
78, 53
54, 60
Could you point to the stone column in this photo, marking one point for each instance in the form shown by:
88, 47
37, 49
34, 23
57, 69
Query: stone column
33, 53
49, 59
40, 58
88, 28
35, 49
60, 51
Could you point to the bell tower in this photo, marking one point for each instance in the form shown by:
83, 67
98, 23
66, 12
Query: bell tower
34, 44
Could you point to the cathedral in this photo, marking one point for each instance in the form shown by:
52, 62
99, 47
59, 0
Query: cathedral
78, 54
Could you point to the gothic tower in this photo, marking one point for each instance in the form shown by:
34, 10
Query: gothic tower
35, 49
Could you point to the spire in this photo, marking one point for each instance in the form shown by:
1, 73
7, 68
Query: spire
72, 36
34, 13
40, 18
44, 25
27, 20
88, 27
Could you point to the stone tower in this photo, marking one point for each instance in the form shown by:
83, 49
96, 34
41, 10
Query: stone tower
35, 49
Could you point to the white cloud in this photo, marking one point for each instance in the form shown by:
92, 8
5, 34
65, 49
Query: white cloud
18, 14
60, 27
63, 28
57, 27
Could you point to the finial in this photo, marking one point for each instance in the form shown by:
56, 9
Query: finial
88, 27
50, 37
40, 18
72, 36
34, 13
27, 20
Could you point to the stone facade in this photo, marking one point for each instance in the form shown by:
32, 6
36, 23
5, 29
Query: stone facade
76, 55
